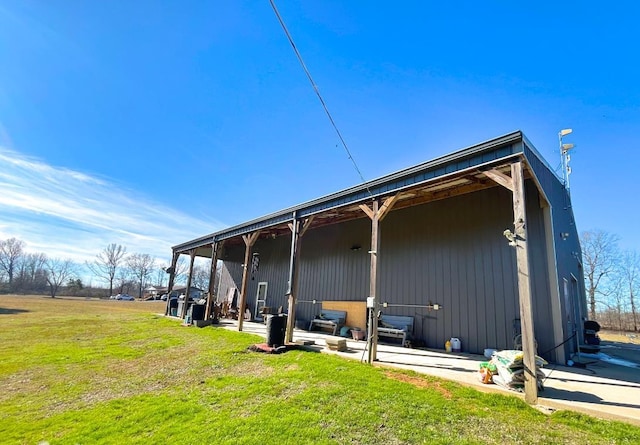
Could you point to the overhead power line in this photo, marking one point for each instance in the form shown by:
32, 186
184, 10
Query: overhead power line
315, 88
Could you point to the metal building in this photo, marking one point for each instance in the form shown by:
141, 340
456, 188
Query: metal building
438, 235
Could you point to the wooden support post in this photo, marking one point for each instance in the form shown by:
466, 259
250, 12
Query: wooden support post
524, 286
192, 256
172, 276
292, 291
294, 227
376, 214
249, 241
515, 183
373, 280
215, 247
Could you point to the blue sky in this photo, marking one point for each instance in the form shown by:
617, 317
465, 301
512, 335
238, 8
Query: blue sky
150, 123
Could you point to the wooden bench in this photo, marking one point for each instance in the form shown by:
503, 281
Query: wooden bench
395, 326
329, 319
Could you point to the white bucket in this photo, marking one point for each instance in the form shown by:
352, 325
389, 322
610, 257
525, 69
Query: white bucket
488, 353
456, 346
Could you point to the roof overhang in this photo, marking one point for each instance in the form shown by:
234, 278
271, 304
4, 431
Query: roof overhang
455, 174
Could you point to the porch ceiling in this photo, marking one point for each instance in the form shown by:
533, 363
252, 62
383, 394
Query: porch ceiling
448, 187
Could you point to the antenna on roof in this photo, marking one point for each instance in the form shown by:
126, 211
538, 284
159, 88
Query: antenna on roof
564, 155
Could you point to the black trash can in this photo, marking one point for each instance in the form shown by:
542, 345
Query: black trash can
276, 329
197, 312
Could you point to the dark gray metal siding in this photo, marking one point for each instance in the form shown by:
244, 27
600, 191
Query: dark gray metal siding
330, 269
273, 268
568, 253
451, 252
539, 278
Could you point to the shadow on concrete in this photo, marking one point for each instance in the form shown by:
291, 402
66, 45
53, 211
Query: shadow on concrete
580, 396
420, 352
7, 311
427, 366
598, 368
591, 382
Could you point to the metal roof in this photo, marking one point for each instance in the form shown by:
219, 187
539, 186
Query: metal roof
476, 155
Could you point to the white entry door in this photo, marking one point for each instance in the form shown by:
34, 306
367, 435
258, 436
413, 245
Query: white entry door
261, 299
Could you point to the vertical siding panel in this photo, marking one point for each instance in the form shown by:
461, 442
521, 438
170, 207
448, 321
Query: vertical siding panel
543, 318
445, 245
476, 303
498, 245
327, 287
411, 287
422, 289
479, 287
501, 296
436, 320
445, 282
456, 264
489, 290
461, 278
438, 277
385, 267
470, 296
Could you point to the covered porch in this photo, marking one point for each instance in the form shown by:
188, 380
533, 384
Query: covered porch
465, 245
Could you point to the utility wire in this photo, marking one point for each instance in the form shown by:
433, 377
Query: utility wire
315, 87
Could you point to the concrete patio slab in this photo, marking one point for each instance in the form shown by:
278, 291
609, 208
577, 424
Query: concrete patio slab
601, 389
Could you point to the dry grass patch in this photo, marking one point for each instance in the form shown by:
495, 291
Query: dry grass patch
421, 382
620, 337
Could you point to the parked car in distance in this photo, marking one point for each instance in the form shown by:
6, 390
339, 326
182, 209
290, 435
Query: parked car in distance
192, 299
163, 297
124, 297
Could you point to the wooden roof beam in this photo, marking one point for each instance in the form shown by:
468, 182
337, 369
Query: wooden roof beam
500, 178
386, 206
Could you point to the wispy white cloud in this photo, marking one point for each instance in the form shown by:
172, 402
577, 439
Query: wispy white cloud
71, 214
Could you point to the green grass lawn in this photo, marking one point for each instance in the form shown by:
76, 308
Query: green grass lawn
81, 371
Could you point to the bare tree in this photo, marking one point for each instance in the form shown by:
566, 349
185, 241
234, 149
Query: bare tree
141, 266
11, 251
123, 280
182, 269
600, 254
58, 271
30, 274
107, 263
201, 273
630, 271
160, 276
